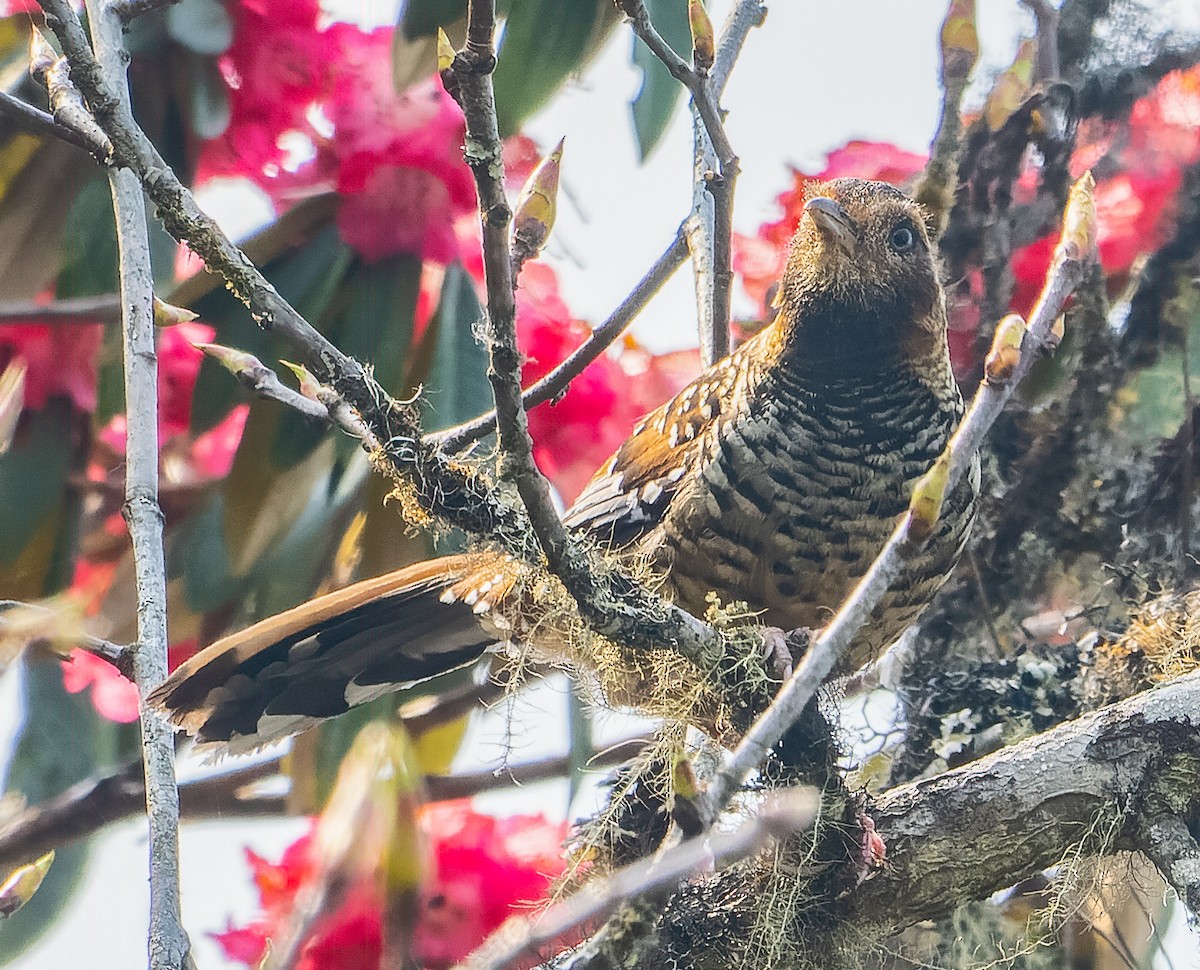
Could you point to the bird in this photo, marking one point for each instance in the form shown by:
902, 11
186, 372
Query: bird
772, 480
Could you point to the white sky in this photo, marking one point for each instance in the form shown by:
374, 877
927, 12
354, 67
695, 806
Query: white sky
816, 75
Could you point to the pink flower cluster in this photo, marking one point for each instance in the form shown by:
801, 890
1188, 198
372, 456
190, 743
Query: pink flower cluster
313, 110
485, 870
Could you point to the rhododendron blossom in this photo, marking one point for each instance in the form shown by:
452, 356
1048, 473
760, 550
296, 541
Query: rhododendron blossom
486, 869
575, 434
60, 360
395, 158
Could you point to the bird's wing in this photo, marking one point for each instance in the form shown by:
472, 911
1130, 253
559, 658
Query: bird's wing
321, 658
630, 494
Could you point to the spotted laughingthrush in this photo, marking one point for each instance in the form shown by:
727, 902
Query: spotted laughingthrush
773, 479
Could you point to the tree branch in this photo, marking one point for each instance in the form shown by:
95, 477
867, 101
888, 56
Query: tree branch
168, 942
41, 122
982, 827
105, 308
715, 170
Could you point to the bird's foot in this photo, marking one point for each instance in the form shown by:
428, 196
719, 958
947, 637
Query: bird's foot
872, 855
782, 647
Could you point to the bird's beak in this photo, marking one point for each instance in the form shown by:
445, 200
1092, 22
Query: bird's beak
830, 218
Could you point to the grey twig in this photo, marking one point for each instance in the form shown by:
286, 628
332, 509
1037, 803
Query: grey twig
105, 308
168, 941
121, 657
556, 382
710, 225
785, 814
36, 120
66, 102
1074, 253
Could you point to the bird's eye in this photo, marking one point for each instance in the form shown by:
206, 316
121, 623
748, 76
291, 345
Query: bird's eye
902, 239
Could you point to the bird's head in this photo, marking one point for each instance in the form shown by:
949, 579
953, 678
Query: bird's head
861, 284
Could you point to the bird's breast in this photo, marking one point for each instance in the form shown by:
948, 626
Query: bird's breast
797, 496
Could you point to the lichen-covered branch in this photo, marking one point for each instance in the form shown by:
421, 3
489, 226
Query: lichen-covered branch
969, 832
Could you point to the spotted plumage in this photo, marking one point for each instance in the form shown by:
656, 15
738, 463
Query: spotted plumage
772, 479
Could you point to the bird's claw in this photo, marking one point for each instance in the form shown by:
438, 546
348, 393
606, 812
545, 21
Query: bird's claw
777, 655
872, 850
781, 648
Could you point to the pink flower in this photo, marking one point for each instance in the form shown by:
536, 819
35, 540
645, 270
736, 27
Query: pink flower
114, 697
178, 366
487, 869
397, 209
61, 359
213, 452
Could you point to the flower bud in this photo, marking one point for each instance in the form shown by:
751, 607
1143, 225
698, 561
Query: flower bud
926, 503
166, 315
703, 42
536, 206
1012, 87
1079, 221
22, 883
1005, 352
960, 40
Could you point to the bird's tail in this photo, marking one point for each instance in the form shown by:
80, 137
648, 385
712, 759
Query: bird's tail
321, 658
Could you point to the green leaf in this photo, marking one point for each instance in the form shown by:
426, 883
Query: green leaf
544, 42
203, 26
422, 18
458, 387
62, 741
660, 93
33, 477
89, 243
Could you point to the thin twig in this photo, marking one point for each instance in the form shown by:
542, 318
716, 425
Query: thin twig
168, 941
95, 803
556, 382
787, 813
746, 15
121, 657
710, 226
1065, 273
105, 308
43, 123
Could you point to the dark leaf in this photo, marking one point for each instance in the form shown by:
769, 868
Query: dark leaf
544, 42
660, 93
